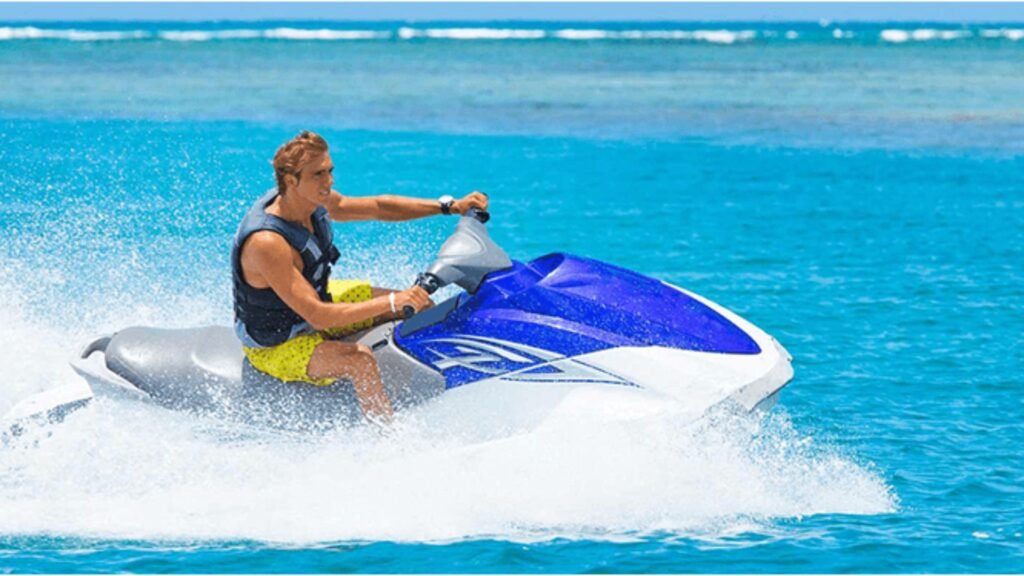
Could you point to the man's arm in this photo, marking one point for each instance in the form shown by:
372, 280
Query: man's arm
268, 256
390, 208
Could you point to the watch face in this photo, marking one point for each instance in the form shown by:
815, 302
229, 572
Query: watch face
446, 199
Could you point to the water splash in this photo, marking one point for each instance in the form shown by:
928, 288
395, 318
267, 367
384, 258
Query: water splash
124, 470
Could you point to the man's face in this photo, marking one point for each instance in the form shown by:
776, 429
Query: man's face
316, 179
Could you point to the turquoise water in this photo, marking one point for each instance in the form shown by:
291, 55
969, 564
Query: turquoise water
856, 194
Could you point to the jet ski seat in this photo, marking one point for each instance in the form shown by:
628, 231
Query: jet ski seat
204, 369
172, 365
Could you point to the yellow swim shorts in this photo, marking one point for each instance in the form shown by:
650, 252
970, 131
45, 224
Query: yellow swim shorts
289, 361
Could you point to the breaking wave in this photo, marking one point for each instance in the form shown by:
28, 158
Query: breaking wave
471, 33
1007, 33
570, 34
403, 33
272, 34
712, 36
74, 35
922, 35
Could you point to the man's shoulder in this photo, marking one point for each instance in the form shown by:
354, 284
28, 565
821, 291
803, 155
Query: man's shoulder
266, 242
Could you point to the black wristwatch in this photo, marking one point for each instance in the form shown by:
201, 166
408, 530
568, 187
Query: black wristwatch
446, 202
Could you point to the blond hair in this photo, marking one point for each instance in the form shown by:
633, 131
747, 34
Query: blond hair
294, 153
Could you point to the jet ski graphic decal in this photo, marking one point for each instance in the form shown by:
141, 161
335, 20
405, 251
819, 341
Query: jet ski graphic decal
512, 361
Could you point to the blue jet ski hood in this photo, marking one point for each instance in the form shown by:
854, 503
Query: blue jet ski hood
562, 306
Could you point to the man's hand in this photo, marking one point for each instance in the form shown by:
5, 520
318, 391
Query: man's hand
416, 297
474, 199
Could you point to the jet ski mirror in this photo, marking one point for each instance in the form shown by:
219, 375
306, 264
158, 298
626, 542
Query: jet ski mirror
464, 259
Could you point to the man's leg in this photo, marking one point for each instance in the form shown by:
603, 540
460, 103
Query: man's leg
355, 362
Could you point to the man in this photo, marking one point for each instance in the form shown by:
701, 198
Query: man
286, 308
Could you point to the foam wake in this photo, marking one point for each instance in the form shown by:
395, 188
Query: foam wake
131, 471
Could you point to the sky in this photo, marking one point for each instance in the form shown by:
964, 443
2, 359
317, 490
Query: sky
468, 11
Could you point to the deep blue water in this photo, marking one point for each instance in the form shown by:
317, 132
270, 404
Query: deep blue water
858, 197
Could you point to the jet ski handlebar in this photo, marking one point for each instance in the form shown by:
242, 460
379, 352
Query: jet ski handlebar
464, 259
481, 216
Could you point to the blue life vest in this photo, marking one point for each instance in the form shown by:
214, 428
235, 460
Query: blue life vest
261, 317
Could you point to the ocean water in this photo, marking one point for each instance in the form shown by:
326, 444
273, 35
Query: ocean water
854, 190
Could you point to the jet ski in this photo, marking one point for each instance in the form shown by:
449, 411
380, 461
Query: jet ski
553, 325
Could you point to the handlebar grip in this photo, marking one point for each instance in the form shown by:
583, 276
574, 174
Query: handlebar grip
429, 283
481, 216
